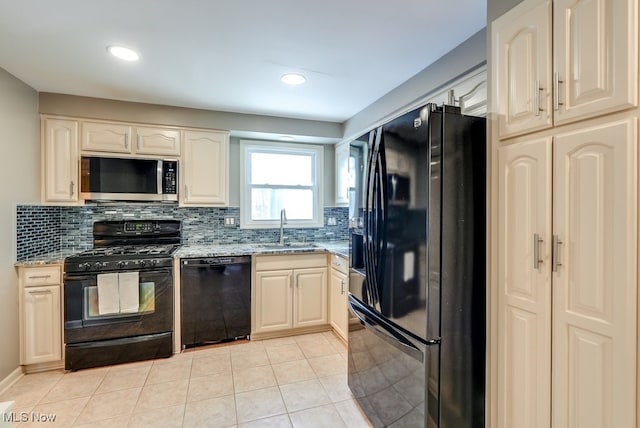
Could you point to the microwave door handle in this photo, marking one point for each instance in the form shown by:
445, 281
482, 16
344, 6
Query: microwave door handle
159, 177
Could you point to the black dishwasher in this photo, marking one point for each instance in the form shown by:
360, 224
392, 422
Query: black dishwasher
215, 298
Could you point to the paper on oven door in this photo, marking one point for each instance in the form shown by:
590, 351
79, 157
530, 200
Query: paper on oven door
129, 292
108, 294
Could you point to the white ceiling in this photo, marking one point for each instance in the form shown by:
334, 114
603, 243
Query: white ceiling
229, 55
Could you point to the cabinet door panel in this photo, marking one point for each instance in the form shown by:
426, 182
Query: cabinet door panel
204, 168
273, 300
338, 302
157, 141
42, 324
106, 137
60, 160
342, 174
310, 306
524, 300
522, 69
595, 55
595, 286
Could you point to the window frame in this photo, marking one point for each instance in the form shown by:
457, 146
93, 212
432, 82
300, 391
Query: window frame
317, 154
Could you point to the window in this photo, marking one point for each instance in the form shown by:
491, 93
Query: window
280, 176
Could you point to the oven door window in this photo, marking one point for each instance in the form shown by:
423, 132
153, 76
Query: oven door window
146, 299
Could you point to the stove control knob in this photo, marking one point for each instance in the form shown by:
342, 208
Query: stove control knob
86, 266
98, 265
120, 264
154, 262
143, 263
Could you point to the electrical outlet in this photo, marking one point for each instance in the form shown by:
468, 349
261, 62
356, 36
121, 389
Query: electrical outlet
331, 221
229, 222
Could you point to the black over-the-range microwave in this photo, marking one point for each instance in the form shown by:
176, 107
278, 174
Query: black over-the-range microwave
128, 179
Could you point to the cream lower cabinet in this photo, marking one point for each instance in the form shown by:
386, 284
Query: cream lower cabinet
338, 295
40, 314
289, 292
567, 278
204, 169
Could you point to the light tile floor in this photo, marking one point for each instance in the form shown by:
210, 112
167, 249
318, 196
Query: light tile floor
298, 381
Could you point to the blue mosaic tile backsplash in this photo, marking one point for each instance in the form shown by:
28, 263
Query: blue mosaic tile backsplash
38, 230
43, 229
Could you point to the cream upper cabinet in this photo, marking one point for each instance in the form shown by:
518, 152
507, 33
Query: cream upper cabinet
589, 67
157, 141
343, 182
595, 57
289, 292
521, 43
595, 277
524, 283
204, 168
59, 160
567, 278
41, 315
106, 137
118, 137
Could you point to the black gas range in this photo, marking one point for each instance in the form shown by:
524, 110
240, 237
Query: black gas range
128, 245
119, 295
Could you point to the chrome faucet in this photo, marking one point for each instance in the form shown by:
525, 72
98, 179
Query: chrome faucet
283, 221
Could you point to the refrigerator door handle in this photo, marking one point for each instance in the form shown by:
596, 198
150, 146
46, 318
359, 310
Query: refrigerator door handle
395, 339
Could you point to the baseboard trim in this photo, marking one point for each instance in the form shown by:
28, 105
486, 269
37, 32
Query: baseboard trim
12, 378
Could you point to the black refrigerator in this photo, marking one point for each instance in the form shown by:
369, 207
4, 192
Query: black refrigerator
417, 280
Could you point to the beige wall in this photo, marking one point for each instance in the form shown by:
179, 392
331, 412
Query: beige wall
20, 178
242, 125
469, 55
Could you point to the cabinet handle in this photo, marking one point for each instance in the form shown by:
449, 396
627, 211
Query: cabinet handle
556, 91
71, 188
536, 251
556, 242
39, 276
536, 98
342, 286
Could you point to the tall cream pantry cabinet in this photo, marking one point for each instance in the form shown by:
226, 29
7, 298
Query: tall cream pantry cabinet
565, 152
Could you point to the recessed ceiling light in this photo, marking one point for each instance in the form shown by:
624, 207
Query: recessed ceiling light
293, 79
123, 53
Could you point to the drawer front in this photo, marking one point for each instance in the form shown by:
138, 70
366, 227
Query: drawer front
46, 275
339, 263
294, 261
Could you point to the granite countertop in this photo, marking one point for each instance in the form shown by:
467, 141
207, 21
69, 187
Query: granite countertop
56, 257
204, 250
